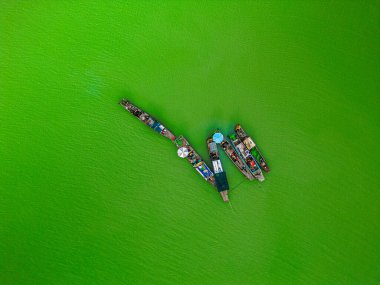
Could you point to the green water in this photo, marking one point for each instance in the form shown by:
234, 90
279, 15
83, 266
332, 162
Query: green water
89, 195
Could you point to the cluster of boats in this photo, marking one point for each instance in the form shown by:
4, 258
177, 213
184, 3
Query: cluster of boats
238, 146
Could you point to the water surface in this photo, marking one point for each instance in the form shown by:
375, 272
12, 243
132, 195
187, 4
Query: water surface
91, 196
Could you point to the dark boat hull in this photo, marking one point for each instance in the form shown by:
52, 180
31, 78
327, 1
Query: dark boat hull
220, 175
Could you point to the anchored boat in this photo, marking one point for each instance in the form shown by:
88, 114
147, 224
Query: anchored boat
185, 150
239, 147
220, 175
247, 157
252, 147
147, 119
236, 159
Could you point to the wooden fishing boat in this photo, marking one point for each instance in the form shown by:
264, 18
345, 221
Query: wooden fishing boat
185, 150
220, 175
236, 159
247, 157
147, 119
252, 147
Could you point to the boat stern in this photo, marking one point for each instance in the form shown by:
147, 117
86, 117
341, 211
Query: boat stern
265, 168
224, 195
259, 176
124, 102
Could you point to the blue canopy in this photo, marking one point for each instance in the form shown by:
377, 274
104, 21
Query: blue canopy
217, 137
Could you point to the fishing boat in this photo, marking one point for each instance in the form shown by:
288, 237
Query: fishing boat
247, 157
236, 159
147, 119
252, 147
219, 173
185, 150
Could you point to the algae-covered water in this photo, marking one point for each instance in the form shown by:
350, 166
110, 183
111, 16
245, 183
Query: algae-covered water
89, 195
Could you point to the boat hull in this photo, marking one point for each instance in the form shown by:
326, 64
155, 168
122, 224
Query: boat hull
195, 160
147, 119
220, 175
247, 157
252, 147
236, 159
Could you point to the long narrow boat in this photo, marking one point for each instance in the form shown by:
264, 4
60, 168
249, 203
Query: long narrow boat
147, 119
252, 147
220, 174
247, 157
185, 150
236, 159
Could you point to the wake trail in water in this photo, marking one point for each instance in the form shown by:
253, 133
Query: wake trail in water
232, 208
236, 186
